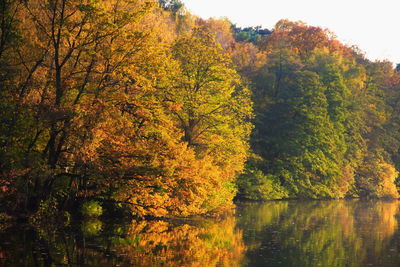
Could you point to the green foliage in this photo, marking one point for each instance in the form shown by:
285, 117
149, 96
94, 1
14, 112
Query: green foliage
92, 227
253, 184
213, 104
250, 34
321, 113
91, 208
297, 137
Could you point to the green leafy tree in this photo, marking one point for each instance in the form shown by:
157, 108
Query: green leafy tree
212, 104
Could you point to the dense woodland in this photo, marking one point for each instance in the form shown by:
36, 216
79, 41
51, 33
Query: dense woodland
139, 104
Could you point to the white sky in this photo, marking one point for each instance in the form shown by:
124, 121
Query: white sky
372, 25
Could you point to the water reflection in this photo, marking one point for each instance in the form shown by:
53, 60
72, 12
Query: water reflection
284, 233
321, 233
144, 243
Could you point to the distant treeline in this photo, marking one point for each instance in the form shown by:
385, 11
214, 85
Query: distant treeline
140, 104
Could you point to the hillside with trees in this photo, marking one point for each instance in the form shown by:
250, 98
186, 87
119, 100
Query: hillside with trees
140, 105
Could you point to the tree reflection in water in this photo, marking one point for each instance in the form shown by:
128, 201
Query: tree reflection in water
143, 243
283, 233
321, 233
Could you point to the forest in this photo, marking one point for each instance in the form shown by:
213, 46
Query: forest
141, 106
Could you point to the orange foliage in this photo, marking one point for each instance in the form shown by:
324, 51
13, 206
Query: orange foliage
213, 244
303, 39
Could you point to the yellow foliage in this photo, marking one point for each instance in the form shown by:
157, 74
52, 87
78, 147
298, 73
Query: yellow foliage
376, 178
212, 244
387, 175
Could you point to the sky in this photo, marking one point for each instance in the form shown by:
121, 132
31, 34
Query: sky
372, 25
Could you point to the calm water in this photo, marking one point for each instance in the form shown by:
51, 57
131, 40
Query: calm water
285, 233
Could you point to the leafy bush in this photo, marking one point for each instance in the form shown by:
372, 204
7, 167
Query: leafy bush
92, 209
255, 185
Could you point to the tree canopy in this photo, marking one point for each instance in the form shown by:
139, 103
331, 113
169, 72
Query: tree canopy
142, 105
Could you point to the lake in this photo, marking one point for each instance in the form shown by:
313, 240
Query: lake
279, 233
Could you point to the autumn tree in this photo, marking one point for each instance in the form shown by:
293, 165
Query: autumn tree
211, 107
79, 64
